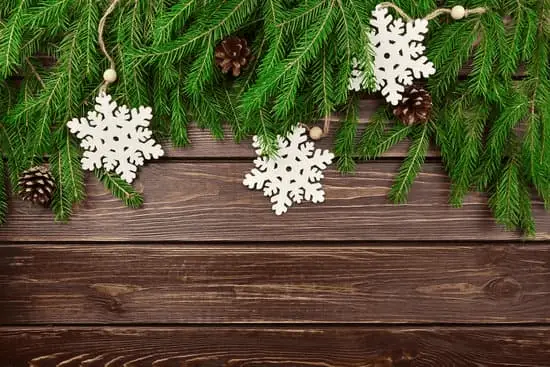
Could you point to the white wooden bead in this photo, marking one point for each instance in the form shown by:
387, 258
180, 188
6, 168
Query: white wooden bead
315, 133
109, 75
458, 12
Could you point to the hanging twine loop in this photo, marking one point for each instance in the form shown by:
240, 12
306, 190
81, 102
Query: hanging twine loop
109, 76
457, 12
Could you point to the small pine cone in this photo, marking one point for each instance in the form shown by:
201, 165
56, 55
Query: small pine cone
415, 107
37, 184
232, 54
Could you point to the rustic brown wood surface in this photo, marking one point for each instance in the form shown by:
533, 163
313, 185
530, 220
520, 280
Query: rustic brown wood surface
205, 275
286, 347
269, 284
206, 201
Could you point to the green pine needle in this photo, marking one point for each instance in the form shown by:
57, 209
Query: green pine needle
412, 165
120, 188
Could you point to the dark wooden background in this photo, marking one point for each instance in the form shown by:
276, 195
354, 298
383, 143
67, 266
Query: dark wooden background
205, 275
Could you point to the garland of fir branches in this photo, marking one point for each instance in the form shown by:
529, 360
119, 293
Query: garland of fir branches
493, 128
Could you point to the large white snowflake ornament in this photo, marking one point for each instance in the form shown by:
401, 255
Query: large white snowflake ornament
398, 53
115, 138
292, 176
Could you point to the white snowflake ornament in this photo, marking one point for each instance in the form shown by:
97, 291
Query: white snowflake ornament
115, 138
398, 53
294, 175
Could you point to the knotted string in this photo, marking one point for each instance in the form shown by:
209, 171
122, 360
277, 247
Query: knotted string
100, 29
434, 14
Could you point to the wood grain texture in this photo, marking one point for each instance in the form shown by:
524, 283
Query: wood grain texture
258, 284
207, 202
203, 145
281, 347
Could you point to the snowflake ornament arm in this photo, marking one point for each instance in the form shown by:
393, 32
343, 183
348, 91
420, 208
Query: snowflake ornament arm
115, 138
294, 175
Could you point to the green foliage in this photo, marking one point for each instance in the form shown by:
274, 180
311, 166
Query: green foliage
120, 189
412, 164
491, 126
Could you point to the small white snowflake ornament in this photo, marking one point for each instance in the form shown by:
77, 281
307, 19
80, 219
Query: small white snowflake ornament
294, 175
115, 138
398, 53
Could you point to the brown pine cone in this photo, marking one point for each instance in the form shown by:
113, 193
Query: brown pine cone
37, 185
415, 107
232, 54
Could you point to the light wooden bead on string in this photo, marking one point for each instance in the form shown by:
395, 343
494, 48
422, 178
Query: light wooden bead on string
315, 133
458, 12
109, 76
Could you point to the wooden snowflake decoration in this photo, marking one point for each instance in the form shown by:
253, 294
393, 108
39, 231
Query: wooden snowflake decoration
398, 53
294, 175
115, 138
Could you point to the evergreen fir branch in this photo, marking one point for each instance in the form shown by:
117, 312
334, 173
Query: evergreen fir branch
301, 17
202, 70
173, 20
231, 113
527, 221
4, 193
412, 164
390, 138
179, 120
357, 23
498, 139
67, 171
345, 138
469, 150
268, 140
448, 50
120, 189
323, 84
52, 16
492, 34
87, 38
506, 199
282, 74
227, 18
373, 134
207, 113
275, 36
11, 39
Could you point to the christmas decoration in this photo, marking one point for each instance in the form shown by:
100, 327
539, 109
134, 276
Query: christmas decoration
37, 185
232, 54
294, 175
115, 138
315, 133
301, 71
398, 53
415, 107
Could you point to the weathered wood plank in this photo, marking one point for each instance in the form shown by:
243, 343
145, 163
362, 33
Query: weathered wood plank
207, 202
283, 347
234, 284
203, 145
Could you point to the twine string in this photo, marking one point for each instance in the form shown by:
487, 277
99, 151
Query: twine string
101, 41
434, 14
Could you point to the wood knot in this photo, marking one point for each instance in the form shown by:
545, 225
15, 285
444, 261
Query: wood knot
396, 358
110, 295
502, 288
